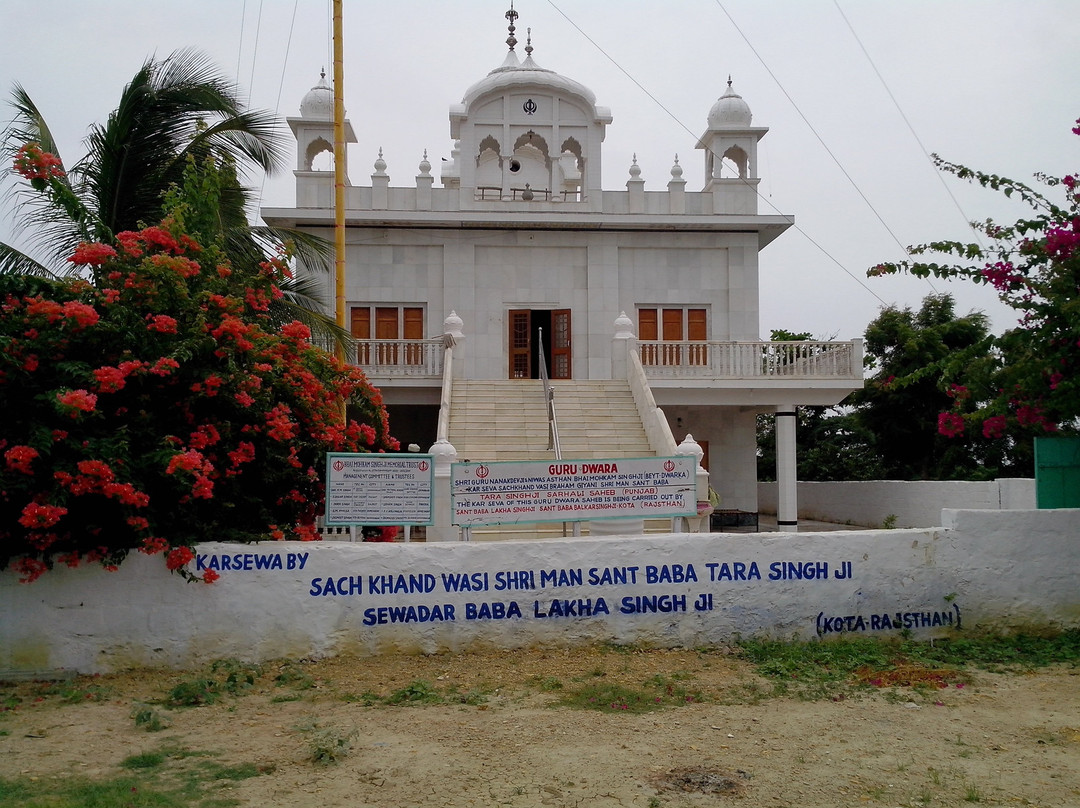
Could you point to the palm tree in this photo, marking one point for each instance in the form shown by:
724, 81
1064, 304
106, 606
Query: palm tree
173, 112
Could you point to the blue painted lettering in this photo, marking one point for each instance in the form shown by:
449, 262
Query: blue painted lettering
670, 574
798, 570
560, 578
408, 614
398, 584
612, 575
345, 585
582, 607
735, 571
515, 579
645, 604
465, 582
495, 610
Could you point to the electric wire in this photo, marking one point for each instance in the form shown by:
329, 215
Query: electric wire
768, 202
907, 122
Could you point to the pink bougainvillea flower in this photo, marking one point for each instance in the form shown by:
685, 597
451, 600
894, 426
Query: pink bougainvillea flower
950, 424
994, 426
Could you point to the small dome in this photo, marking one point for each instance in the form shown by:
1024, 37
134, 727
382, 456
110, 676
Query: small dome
729, 110
319, 101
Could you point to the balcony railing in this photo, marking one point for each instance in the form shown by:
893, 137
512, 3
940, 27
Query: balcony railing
744, 360
417, 358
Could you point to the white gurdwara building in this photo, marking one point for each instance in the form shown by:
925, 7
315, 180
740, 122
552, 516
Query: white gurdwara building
519, 287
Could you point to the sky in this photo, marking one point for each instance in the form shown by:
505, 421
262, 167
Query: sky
856, 94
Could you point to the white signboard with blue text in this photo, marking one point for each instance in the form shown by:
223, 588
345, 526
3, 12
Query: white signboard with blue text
573, 490
379, 489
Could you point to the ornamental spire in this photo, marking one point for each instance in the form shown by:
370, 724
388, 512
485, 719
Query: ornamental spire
512, 16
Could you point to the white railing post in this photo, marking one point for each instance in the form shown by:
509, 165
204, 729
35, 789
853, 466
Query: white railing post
444, 455
787, 506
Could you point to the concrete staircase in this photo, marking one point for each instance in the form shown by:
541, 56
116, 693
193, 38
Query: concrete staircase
507, 420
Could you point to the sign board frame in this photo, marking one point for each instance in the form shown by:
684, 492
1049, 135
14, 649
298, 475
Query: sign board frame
514, 492
359, 485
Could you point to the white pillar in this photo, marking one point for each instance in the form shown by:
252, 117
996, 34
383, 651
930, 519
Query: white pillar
444, 455
787, 506
623, 342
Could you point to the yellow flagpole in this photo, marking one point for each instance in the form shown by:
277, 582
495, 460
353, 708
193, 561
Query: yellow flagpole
339, 169
339, 183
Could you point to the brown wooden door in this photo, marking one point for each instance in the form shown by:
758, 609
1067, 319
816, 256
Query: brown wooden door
386, 327
361, 329
413, 330
697, 331
520, 321
648, 330
560, 344
672, 323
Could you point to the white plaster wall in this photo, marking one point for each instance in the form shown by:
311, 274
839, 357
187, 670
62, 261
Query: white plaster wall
985, 571
914, 504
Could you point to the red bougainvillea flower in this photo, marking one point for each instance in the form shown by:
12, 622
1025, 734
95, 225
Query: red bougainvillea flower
19, 458
36, 515
153, 545
210, 576
950, 424
34, 163
80, 315
178, 557
30, 568
161, 323
92, 254
77, 401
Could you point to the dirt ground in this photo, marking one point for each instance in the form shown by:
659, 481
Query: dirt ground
500, 736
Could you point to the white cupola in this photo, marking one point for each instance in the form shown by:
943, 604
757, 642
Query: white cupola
730, 145
314, 129
523, 125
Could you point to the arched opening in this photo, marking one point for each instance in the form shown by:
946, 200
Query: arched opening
741, 160
319, 155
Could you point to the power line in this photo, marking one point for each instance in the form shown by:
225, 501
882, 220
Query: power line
768, 202
904, 117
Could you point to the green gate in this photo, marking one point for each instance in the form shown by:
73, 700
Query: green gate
1057, 472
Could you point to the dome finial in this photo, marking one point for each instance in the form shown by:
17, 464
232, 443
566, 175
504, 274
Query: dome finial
728, 79
528, 41
512, 16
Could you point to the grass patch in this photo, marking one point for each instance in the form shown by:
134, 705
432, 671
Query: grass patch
656, 693
417, 692
169, 777
816, 670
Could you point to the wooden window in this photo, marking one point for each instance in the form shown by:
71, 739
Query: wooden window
388, 323
677, 325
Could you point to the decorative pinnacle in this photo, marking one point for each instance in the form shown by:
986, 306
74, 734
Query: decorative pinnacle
512, 16
528, 42
729, 80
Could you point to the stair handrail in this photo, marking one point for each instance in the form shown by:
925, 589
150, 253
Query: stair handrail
442, 430
549, 399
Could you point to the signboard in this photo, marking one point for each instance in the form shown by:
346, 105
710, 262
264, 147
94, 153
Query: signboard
379, 489
573, 490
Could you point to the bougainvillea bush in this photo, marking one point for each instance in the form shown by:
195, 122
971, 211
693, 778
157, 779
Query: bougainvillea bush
147, 405
1034, 264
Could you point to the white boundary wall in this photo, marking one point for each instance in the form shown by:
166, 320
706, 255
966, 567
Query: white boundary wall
991, 571
914, 504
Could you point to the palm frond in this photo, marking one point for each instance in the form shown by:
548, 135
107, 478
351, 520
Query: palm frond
16, 262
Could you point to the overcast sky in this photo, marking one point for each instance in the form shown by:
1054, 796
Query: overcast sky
988, 83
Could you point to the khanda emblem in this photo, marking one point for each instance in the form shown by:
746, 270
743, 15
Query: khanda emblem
529, 107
